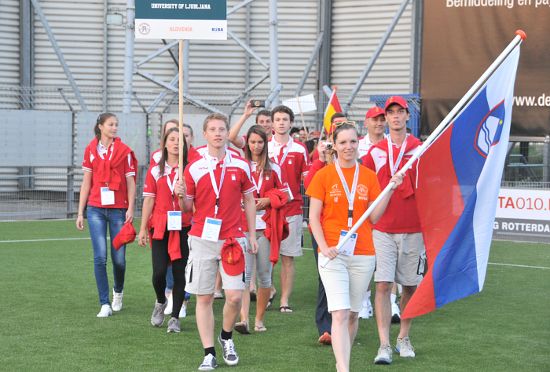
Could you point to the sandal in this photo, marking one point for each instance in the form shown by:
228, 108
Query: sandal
285, 309
260, 328
242, 328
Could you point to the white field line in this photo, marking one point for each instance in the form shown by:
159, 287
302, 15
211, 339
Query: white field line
307, 249
41, 240
525, 266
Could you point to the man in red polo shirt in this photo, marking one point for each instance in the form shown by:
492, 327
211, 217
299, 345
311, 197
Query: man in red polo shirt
397, 235
215, 183
292, 157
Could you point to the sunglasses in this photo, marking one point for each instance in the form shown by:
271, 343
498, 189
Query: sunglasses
340, 123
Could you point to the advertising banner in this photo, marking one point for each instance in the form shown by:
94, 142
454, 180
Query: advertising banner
523, 215
461, 38
182, 20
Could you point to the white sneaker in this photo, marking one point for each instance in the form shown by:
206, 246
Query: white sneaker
395, 313
404, 348
230, 356
169, 304
366, 311
117, 301
384, 355
105, 311
208, 363
183, 311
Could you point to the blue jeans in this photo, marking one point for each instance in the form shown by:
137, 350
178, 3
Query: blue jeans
98, 220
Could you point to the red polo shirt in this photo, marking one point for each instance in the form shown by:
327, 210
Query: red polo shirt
156, 186
125, 168
236, 182
401, 215
292, 158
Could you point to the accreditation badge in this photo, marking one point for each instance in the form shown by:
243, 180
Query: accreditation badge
173, 221
107, 196
348, 248
260, 223
211, 229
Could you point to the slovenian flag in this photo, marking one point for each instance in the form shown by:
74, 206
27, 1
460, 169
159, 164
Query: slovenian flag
458, 183
332, 108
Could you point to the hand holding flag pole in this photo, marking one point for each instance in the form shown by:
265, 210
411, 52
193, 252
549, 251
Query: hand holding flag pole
520, 36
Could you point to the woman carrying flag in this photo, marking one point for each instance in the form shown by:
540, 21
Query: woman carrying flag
340, 193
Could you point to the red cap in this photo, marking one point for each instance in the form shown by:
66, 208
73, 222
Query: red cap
398, 100
126, 235
232, 257
374, 112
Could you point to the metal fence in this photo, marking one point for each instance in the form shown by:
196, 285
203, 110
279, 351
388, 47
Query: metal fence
37, 189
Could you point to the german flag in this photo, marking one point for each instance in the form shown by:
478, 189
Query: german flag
332, 108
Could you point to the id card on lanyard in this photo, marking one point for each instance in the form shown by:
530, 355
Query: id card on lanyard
212, 226
349, 247
260, 223
107, 195
173, 217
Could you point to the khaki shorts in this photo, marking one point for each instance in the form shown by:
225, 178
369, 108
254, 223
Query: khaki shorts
204, 264
259, 262
346, 279
397, 257
292, 245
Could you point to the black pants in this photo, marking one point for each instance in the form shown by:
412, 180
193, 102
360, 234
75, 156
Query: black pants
323, 318
161, 260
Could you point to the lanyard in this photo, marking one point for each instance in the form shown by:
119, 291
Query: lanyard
394, 167
349, 195
285, 153
214, 184
172, 184
260, 182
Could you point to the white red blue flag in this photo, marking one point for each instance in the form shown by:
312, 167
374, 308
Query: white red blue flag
459, 179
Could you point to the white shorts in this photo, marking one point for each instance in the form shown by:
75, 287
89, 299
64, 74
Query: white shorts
203, 265
397, 257
292, 245
346, 279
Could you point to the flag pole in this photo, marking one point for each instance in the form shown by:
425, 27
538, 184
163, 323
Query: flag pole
180, 108
520, 36
302, 116
332, 94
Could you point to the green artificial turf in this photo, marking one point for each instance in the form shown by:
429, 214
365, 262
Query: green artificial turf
49, 302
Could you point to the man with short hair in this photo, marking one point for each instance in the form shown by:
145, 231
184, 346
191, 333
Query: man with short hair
375, 122
212, 184
263, 119
292, 157
397, 235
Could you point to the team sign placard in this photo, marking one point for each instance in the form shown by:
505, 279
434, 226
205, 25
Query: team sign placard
177, 19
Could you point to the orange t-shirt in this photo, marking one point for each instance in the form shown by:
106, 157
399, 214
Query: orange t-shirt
326, 186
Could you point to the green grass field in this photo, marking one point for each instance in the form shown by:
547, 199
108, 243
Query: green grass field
49, 302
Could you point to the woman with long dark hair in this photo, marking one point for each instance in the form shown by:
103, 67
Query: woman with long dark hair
162, 215
266, 176
108, 193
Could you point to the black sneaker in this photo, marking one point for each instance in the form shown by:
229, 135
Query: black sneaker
208, 363
230, 356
